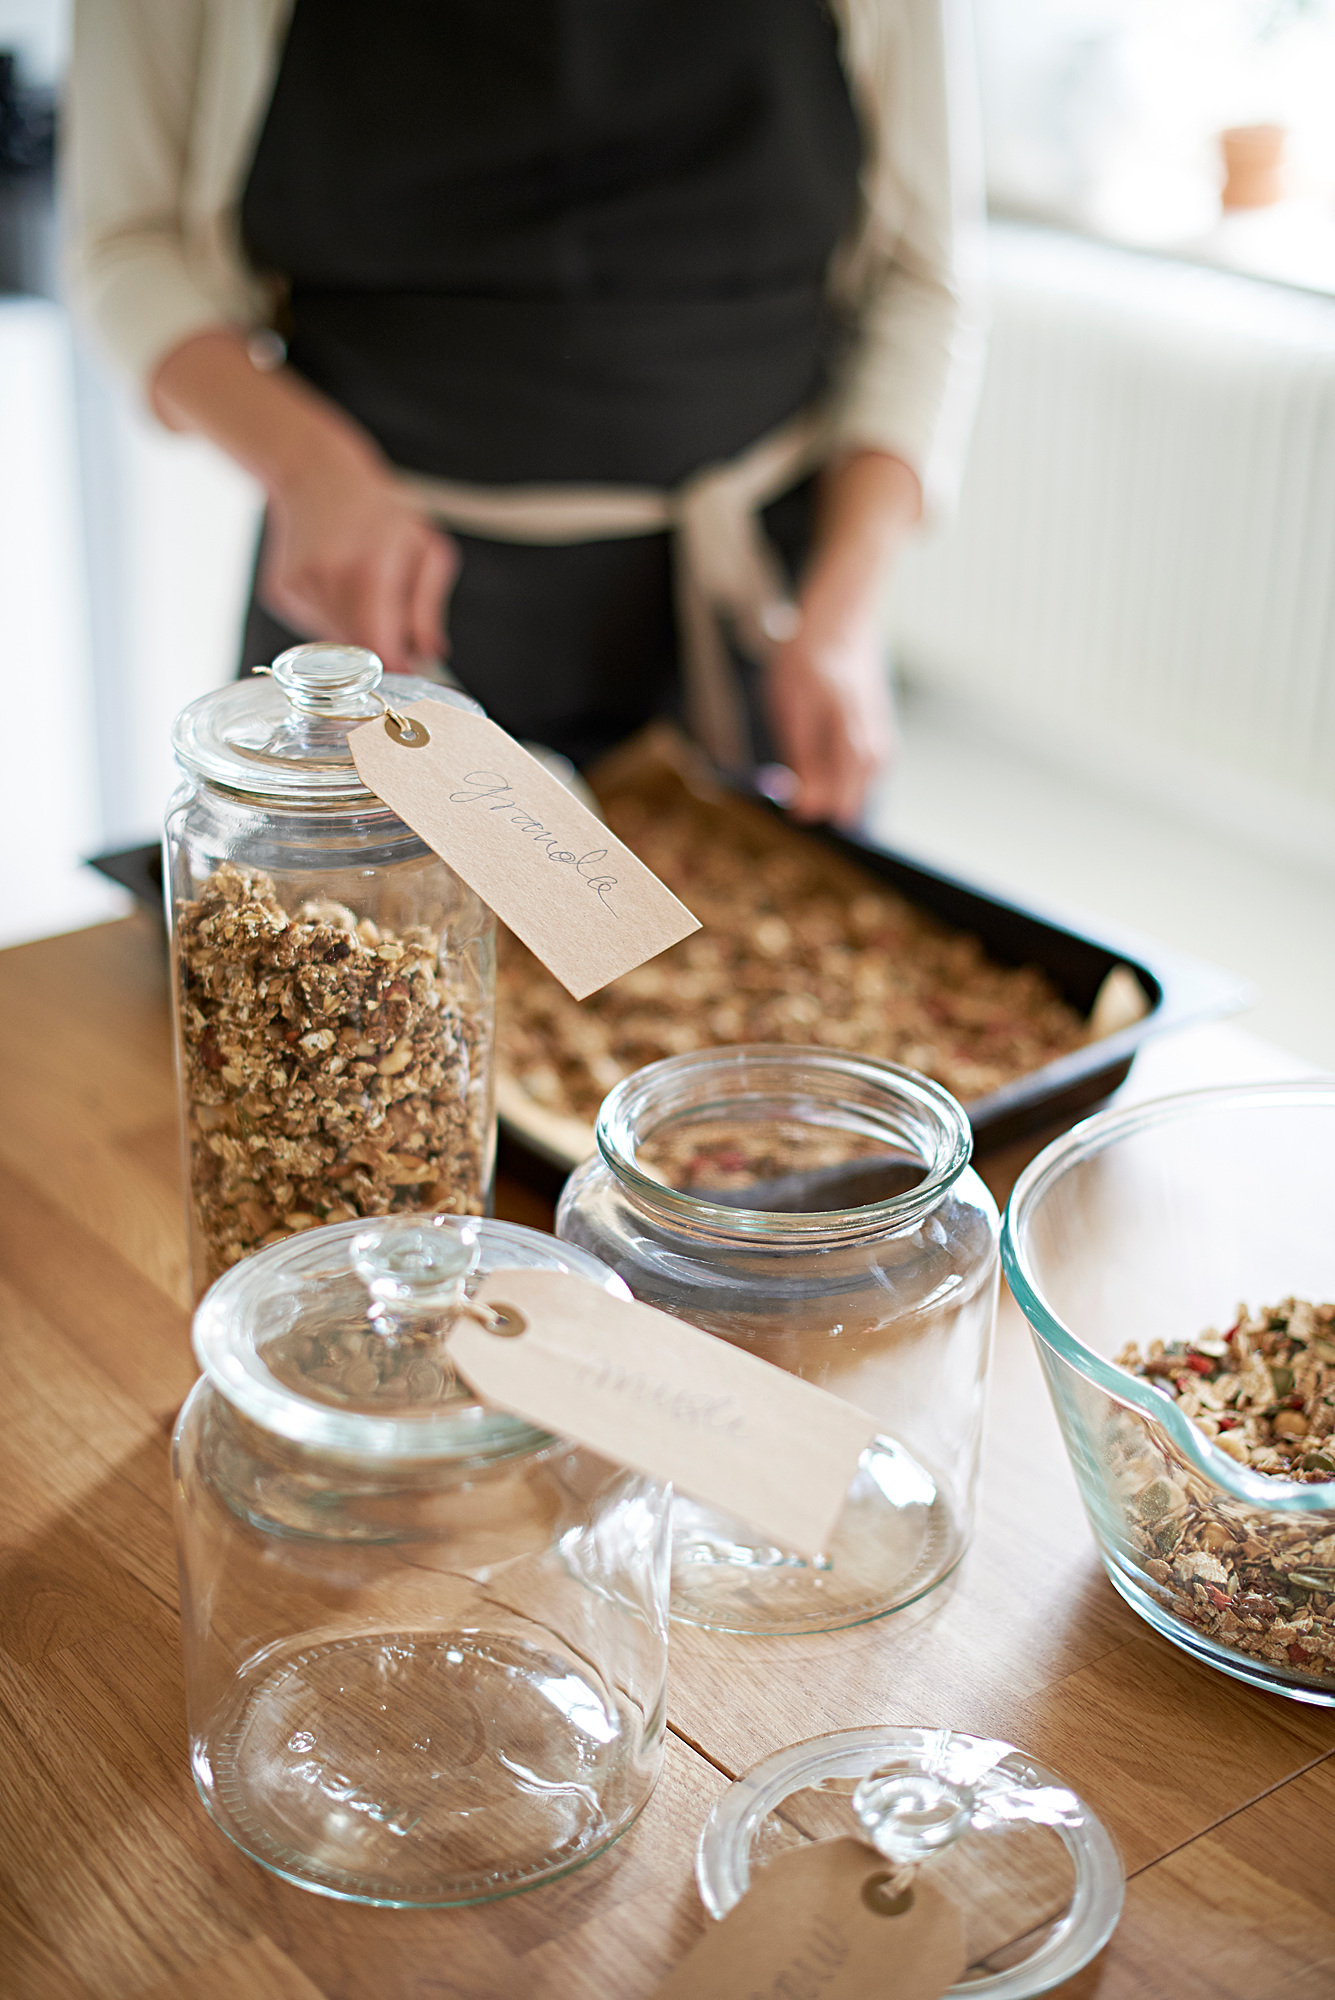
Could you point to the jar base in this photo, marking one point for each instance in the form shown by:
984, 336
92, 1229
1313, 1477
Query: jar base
423, 1768
896, 1539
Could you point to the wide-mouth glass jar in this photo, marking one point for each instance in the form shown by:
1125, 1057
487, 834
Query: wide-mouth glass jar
334, 981
425, 1643
819, 1210
1170, 1223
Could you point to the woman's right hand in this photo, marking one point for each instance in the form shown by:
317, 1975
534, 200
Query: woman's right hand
347, 557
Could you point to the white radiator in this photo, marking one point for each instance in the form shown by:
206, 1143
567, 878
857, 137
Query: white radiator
1141, 579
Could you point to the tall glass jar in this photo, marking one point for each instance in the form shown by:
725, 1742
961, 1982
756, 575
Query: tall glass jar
425, 1643
334, 981
819, 1210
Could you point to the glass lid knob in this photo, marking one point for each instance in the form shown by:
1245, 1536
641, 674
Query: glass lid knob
321, 678
912, 1809
908, 1816
422, 1267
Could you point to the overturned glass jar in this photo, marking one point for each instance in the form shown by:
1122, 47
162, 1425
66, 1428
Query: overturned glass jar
425, 1643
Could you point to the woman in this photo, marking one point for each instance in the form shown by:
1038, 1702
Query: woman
604, 320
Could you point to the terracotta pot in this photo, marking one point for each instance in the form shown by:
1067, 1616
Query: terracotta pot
1253, 165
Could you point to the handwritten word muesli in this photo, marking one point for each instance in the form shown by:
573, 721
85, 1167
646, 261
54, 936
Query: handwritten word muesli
494, 793
667, 1399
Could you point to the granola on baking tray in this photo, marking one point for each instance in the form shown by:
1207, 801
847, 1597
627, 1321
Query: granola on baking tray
329, 1069
1264, 1393
798, 945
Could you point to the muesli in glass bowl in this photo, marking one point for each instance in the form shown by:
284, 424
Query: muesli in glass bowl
1201, 1433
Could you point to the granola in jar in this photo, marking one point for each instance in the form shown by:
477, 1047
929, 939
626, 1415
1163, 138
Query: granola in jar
329, 1069
335, 979
1263, 1392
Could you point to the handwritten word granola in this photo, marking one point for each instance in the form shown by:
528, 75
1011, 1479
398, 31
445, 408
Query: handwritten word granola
328, 1070
1264, 1393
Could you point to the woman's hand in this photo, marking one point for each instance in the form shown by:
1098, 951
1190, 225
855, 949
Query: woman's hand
829, 702
346, 556
827, 687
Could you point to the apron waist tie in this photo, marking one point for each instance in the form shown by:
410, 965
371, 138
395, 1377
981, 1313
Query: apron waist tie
730, 582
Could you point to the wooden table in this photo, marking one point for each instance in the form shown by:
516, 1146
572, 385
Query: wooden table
113, 1882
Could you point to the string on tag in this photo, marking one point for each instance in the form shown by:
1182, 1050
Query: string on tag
507, 1322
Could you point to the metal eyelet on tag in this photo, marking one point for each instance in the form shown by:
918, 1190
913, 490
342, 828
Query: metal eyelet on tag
886, 1896
412, 733
506, 1322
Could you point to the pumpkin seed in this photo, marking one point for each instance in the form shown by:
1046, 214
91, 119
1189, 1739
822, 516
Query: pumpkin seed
1314, 1579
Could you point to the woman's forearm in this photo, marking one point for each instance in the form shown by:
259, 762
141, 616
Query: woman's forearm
868, 504
346, 555
827, 685
269, 421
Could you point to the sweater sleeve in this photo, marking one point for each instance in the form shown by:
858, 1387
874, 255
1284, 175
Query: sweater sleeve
137, 269
909, 379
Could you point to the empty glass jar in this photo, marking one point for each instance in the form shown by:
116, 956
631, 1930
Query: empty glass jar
819, 1210
334, 980
425, 1643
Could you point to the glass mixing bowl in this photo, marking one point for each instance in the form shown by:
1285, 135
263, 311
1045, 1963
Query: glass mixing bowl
1153, 1224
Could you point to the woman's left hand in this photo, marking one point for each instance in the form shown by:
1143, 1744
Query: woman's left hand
828, 686
833, 720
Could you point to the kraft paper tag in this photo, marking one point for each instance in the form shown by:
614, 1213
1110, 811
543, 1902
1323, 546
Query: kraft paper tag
667, 1399
577, 897
816, 1925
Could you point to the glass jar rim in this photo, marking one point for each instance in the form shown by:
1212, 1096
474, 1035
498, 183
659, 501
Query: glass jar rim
1082, 1143
225, 1318
940, 1126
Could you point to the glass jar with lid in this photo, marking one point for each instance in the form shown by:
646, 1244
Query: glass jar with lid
425, 1643
818, 1209
334, 980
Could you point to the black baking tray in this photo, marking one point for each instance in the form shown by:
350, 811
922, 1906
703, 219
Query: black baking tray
1077, 956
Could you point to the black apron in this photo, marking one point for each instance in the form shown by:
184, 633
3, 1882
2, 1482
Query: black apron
559, 241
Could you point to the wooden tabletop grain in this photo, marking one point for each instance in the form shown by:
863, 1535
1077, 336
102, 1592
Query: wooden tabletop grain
114, 1883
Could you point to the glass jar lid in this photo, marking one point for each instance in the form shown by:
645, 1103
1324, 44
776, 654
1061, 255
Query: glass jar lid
335, 1339
284, 735
1035, 1874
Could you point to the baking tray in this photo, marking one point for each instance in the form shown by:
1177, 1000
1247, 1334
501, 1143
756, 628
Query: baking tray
1076, 954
